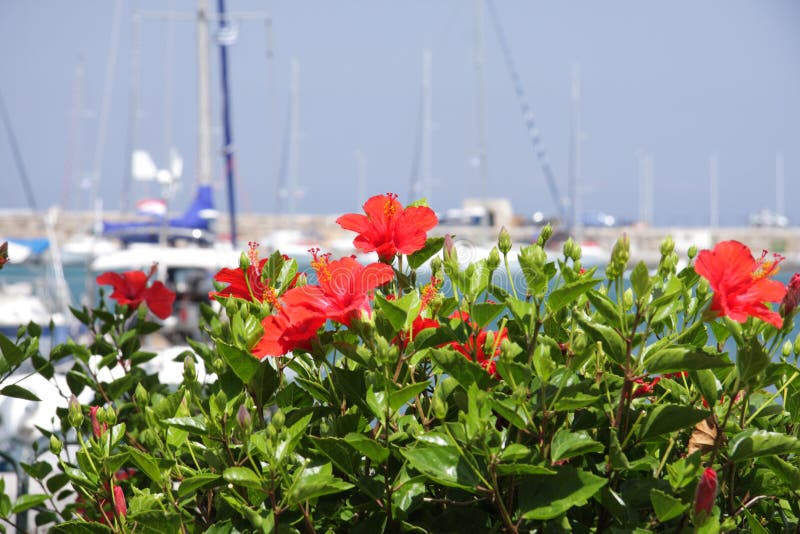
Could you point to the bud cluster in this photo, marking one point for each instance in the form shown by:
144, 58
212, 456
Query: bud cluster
620, 255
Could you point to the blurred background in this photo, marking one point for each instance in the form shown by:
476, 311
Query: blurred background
154, 120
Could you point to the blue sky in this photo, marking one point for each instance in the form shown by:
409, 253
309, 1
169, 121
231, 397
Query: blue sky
678, 79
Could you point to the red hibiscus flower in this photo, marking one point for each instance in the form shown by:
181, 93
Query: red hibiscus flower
246, 284
741, 283
476, 345
130, 288
343, 292
292, 328
388, 228
344, 287
706, 492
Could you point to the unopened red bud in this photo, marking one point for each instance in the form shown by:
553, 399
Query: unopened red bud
706, 492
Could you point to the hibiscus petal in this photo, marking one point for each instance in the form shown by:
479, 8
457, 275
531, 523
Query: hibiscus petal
160, 300
727, 265
372, 276
354, 222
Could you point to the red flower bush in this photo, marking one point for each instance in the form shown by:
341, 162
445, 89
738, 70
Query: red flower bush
388, 228
741, 283
130, 289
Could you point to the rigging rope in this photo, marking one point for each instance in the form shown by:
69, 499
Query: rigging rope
527, 114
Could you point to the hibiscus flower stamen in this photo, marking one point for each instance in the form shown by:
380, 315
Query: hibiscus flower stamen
320, 265
389, 208
252, 253
767, 268
428, 292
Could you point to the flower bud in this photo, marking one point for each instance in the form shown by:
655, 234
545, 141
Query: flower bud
627, 299
545, 235
436, 265
692, 252
271, 431
488, 345
792, 296
449, 250
55, 445
439, 407
244, 261
75, 414
786, 350
120, 506
140, 395
110, 415
706, 493
504, 241
493, 261
189, 371
219, 366
622, 251
278, 420
667, 246
797, 345
99, 425
243, 418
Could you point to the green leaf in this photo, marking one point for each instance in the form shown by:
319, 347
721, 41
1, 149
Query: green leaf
194, 425
37, 470
18, 392
316, 482
400, 397
666, 418
337, 450
706, 381
640, 280
613, 344
606, 307
401, 312
432, 246
484, 313
568, 444
788, 473
514, 452
751, 361
443, 465
676, 358
523, 469
12, 354
196, 482
666, 506
551, 496
368, 447
26, 502
243, 364
568, 293
465, 371
753, 443
146, 463
242, 476
542, 362
80, 527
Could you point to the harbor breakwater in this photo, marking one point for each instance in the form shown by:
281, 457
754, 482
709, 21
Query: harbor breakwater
645, 241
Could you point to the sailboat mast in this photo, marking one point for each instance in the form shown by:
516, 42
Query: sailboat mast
224, 41
203, 97
427, 126
294, 135
575, 152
